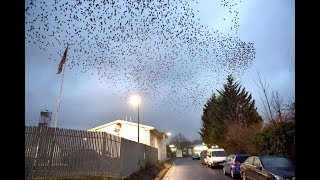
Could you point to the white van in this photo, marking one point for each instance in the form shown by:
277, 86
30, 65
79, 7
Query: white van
216, 157
179, 153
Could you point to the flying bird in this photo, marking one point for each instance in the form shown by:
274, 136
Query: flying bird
157, 48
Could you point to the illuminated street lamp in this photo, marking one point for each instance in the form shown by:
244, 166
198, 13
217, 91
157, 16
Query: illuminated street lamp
135, 101
168, 133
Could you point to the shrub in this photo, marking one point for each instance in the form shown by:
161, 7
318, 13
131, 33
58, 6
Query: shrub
277, 139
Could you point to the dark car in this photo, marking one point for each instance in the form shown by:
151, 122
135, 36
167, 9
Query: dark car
268, 167
232, 164
195, 156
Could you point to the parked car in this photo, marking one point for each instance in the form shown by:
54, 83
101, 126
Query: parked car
195, 156
203, 155
205, 160
232, 164
268, 167
216, 157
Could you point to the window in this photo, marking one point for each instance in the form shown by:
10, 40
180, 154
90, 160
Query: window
219, 153
277, 162
241, 159
250, 160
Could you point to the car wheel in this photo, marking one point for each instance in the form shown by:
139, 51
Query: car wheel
224, 171
244, 177
232, 174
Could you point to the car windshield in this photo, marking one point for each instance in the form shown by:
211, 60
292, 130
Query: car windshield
276, 162
241, 158
219, 153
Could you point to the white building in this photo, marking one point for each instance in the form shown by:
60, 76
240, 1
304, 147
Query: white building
147, 134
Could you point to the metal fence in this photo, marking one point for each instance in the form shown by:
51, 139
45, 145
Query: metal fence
51, 152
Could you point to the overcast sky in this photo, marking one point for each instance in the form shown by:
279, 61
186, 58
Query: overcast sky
87, 103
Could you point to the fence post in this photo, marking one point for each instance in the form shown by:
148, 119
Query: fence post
104, 144
39, 132
121, 158
51, 153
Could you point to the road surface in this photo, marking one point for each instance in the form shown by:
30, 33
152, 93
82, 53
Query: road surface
188, 169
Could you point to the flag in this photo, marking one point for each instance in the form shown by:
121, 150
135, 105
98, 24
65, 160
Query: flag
63, 60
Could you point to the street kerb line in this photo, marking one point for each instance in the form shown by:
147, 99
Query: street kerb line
168, 172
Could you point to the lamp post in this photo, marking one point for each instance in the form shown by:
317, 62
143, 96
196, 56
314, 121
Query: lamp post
135, 101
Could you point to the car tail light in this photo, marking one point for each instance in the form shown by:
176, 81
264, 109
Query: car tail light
235, 163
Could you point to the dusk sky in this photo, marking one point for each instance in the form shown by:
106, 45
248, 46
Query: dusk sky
175, 85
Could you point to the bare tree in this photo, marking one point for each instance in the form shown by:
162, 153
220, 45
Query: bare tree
277, 105
275, 110
196, 141
263, 86
180, 141
290, 110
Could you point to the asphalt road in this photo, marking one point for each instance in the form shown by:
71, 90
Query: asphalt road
188, 169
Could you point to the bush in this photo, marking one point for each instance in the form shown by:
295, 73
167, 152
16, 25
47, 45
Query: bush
238, 138
277, 139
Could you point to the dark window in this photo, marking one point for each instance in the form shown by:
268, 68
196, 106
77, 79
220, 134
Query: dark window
219, 153
276, 162
241, 158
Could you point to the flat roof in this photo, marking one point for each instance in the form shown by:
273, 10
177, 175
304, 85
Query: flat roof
123, 122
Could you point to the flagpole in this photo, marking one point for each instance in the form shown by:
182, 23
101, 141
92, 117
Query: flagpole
58, 110
59, 99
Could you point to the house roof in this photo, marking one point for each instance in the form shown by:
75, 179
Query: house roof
159, 134
122, 122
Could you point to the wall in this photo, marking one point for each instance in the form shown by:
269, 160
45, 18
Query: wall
162, 149
160, 144
132, 160
135, 156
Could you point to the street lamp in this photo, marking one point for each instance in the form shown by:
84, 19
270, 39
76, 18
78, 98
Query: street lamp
135, 101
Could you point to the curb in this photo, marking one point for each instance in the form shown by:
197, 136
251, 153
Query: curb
168, 172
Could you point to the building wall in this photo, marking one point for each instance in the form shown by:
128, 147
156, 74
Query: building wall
148, 138
159, 143
162, 149
129, 132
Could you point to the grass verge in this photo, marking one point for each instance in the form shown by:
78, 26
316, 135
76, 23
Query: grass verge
155, 172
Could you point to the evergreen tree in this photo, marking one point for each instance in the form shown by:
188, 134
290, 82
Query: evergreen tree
232, 106
237, 104
212, 124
